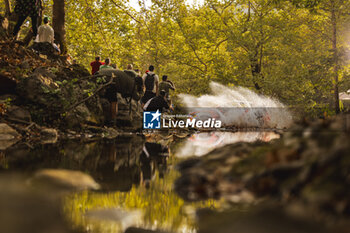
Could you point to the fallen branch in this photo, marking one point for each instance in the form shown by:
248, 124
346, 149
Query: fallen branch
91, 77
89, 97
17, 120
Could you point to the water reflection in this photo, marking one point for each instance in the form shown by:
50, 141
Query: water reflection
153, 157
135, 173
201, 143
117, 165
150, 179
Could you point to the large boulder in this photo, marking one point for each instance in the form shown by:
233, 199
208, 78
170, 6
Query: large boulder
15, 112
27, 210
45, 48
63, 180
82, 114
44, 71
128, 119
73, 71
52, 98
38, 89
309, 163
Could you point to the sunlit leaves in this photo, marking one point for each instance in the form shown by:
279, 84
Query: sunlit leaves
219, 41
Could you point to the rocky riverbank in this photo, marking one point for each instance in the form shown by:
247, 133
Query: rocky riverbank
41, 94
304, 173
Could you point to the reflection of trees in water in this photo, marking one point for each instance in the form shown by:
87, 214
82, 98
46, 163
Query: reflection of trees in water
116, 164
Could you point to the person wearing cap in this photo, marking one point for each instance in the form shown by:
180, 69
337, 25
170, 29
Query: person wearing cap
46, 32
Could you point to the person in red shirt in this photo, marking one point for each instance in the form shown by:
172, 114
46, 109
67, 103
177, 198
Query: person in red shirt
95, 65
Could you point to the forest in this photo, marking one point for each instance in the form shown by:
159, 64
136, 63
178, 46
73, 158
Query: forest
296, 51
73, 159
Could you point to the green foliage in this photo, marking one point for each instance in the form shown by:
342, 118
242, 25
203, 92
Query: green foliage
283, 46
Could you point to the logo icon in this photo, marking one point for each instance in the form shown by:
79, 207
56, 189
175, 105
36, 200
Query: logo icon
151, 120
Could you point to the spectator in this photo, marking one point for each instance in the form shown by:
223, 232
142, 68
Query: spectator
47, 34
130, 71
95, 65
151, 83
166, 85
25, 8
106, 65
157, 103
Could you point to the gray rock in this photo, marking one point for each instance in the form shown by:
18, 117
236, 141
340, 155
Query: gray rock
36, 88
63, 180
263, 219
19, 113
82, 114
43, 71
24, 210
124, 118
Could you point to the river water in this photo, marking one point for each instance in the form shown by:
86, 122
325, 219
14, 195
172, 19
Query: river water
136, 174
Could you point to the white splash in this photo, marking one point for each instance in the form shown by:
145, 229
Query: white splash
240, 107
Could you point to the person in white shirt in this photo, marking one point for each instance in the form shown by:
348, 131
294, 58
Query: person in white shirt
45, 32
151, 84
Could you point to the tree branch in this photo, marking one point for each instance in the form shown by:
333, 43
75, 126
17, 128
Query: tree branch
89, 97
8, 9
126, 12
191, 46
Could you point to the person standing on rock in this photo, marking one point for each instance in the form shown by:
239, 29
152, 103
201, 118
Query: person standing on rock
95, 65
110, 92
25, 8
151, 83
166, 85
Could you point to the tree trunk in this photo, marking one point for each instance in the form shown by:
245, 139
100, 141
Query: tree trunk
58, 22
335, 58
7, 8
256, 72
256, 65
